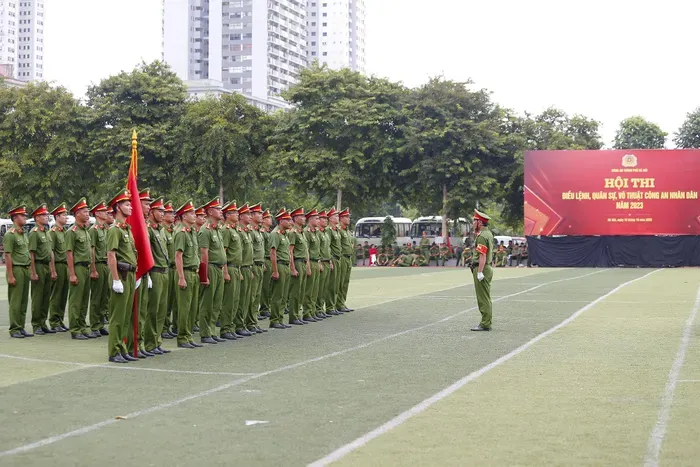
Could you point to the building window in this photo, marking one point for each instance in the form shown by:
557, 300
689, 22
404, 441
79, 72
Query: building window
325, 54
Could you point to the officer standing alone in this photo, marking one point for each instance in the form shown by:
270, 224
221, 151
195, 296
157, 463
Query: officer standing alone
481, 268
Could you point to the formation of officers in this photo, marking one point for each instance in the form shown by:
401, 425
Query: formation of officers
214, 267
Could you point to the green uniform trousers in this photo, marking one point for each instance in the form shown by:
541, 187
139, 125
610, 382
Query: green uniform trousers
311, 291
296, 290
322, 300
59, 296
41, 295
143, 293
99, 296
483, 295
255, 291
210, 301
277, 298
332, 286
232, 294
121, 309
425, 251
157, 309
241, 317
266, 286
171, 314
343, 282
78, 299
18, 298
187, 306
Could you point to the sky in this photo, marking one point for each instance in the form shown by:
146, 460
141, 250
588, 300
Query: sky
605, 59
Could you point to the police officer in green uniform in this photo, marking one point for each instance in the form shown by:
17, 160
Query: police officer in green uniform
59, 287
143, 291
121, 261
279, 264
299, 266
41, 270
187, 266
241, 318
79, 256
258, 268
311, 235
325, 267
425, 245
213, 261
169, 227
17, 272
232, 279
347, 247
336, 273
481, 268
265, 292
160, 278
99, 272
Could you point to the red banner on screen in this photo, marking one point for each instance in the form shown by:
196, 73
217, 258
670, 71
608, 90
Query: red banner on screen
620, 192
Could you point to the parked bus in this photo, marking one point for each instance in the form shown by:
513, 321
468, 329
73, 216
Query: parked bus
369, 229
432, 225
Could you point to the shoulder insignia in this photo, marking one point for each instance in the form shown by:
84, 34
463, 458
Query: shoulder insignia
74, 228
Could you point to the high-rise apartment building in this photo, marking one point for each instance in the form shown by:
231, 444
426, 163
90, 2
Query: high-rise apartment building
336, 33
255, 47
22, 39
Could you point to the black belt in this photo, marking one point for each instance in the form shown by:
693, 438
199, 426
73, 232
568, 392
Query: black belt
101, 262
217, 265
286, 263
195, 269
41, 262
259, 263
125, 267
300, 259
245, 267
25, 266
326, 260
83, 264
233, 265
315, 259
159, 270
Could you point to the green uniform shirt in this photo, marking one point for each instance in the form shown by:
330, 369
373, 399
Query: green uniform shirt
347, 242
483, 244
15, 243
233, 243
297, 240
78, 241
58, 242
313, 239
209, 237
266, 238
247, 244
159, 245
186, 242
325, 244
258, 243
280, 242
425, 242
169, 234
40, 244
334, 235
120, 240
98, 239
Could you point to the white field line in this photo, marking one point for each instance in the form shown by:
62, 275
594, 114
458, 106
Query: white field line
156, 408
415, 410
656, 439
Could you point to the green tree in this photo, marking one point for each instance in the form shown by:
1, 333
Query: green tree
151, 100
639, 133
42, 134
341, 136
688, 135
388, 230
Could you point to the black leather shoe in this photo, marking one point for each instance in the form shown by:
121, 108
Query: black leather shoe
218, 339
155, 351
57, 329
278, 326
118, 359
208, 340
94, 334
261, 317
162, 350
332, 313
166, 335
146, 353
25, 333
47, 330
142, 355
17, 335
195, 329
65, 329
186, 345
243, 332
229, 335
79, 337
480, 328
194, 344
173, 331
129, 358
39, 332
90, 335
266, 314
286, 326
104, 332
259, 330
297, 322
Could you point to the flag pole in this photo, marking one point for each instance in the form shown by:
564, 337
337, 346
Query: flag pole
135, 305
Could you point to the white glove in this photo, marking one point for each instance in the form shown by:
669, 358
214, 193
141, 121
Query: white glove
117, 286
138, 282
480, 276
150, 282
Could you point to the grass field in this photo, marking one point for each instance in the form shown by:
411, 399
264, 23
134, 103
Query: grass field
583, 366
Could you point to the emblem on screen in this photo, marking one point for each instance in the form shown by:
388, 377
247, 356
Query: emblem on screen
629, 160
